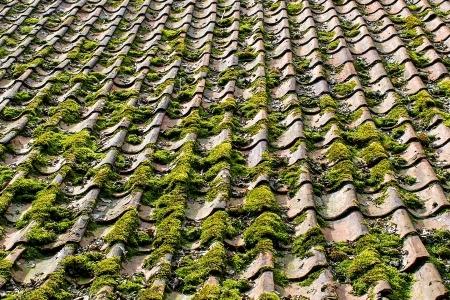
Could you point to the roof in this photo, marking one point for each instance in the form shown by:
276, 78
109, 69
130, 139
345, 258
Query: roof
224, 149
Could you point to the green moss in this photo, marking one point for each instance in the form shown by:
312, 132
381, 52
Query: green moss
373, 153
6, 173
338, 174
31, 21
419, 59
228, 75
22, 190
333, 45
338, 151
268, 225
163, 156
416, 42
345, 88
134, 139
294, 8
246, 54
44, 205
69, 111
378, 172
245, 28
5, 269
304, 243
10, 42
217, 227
312, 276
326, 36
444, 86
22, 96
275, 5
230, 289
220, 152
327, 101
53, 288
260, 199
301, 64
273, 77
412, 21
363, 134
81, 265
252, 105
25, 29
208, 292
437, 243
18, 69
151, 293
3, 52
10, 112
107, 266
194, 272
411, 200
124, 229
422, 101
369, 260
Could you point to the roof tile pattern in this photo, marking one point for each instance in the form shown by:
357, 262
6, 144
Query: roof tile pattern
180, 149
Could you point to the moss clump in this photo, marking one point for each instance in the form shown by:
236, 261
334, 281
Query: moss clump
368, 260
246, 54
327, 101
193, 272
273, 77
124, 229
294, 8
304, 243
169, 34
345, 88
411, 200
230, 289
228, 75
444, 86
268, 225
53, 288
373, 153
392, 118
22, 190
412, 21
275, 5
217, 227
69, 111
333, 45
437, 243
326, 36
81, 265
257, 101
422, 102
220, 152
338, 151
363, 134
6, 173
5, 269
106, 273
338, 174
419, 59
163, 156
301, 64
18, 69
22, 96
151, 293
378, 172
259, 199
31, 21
